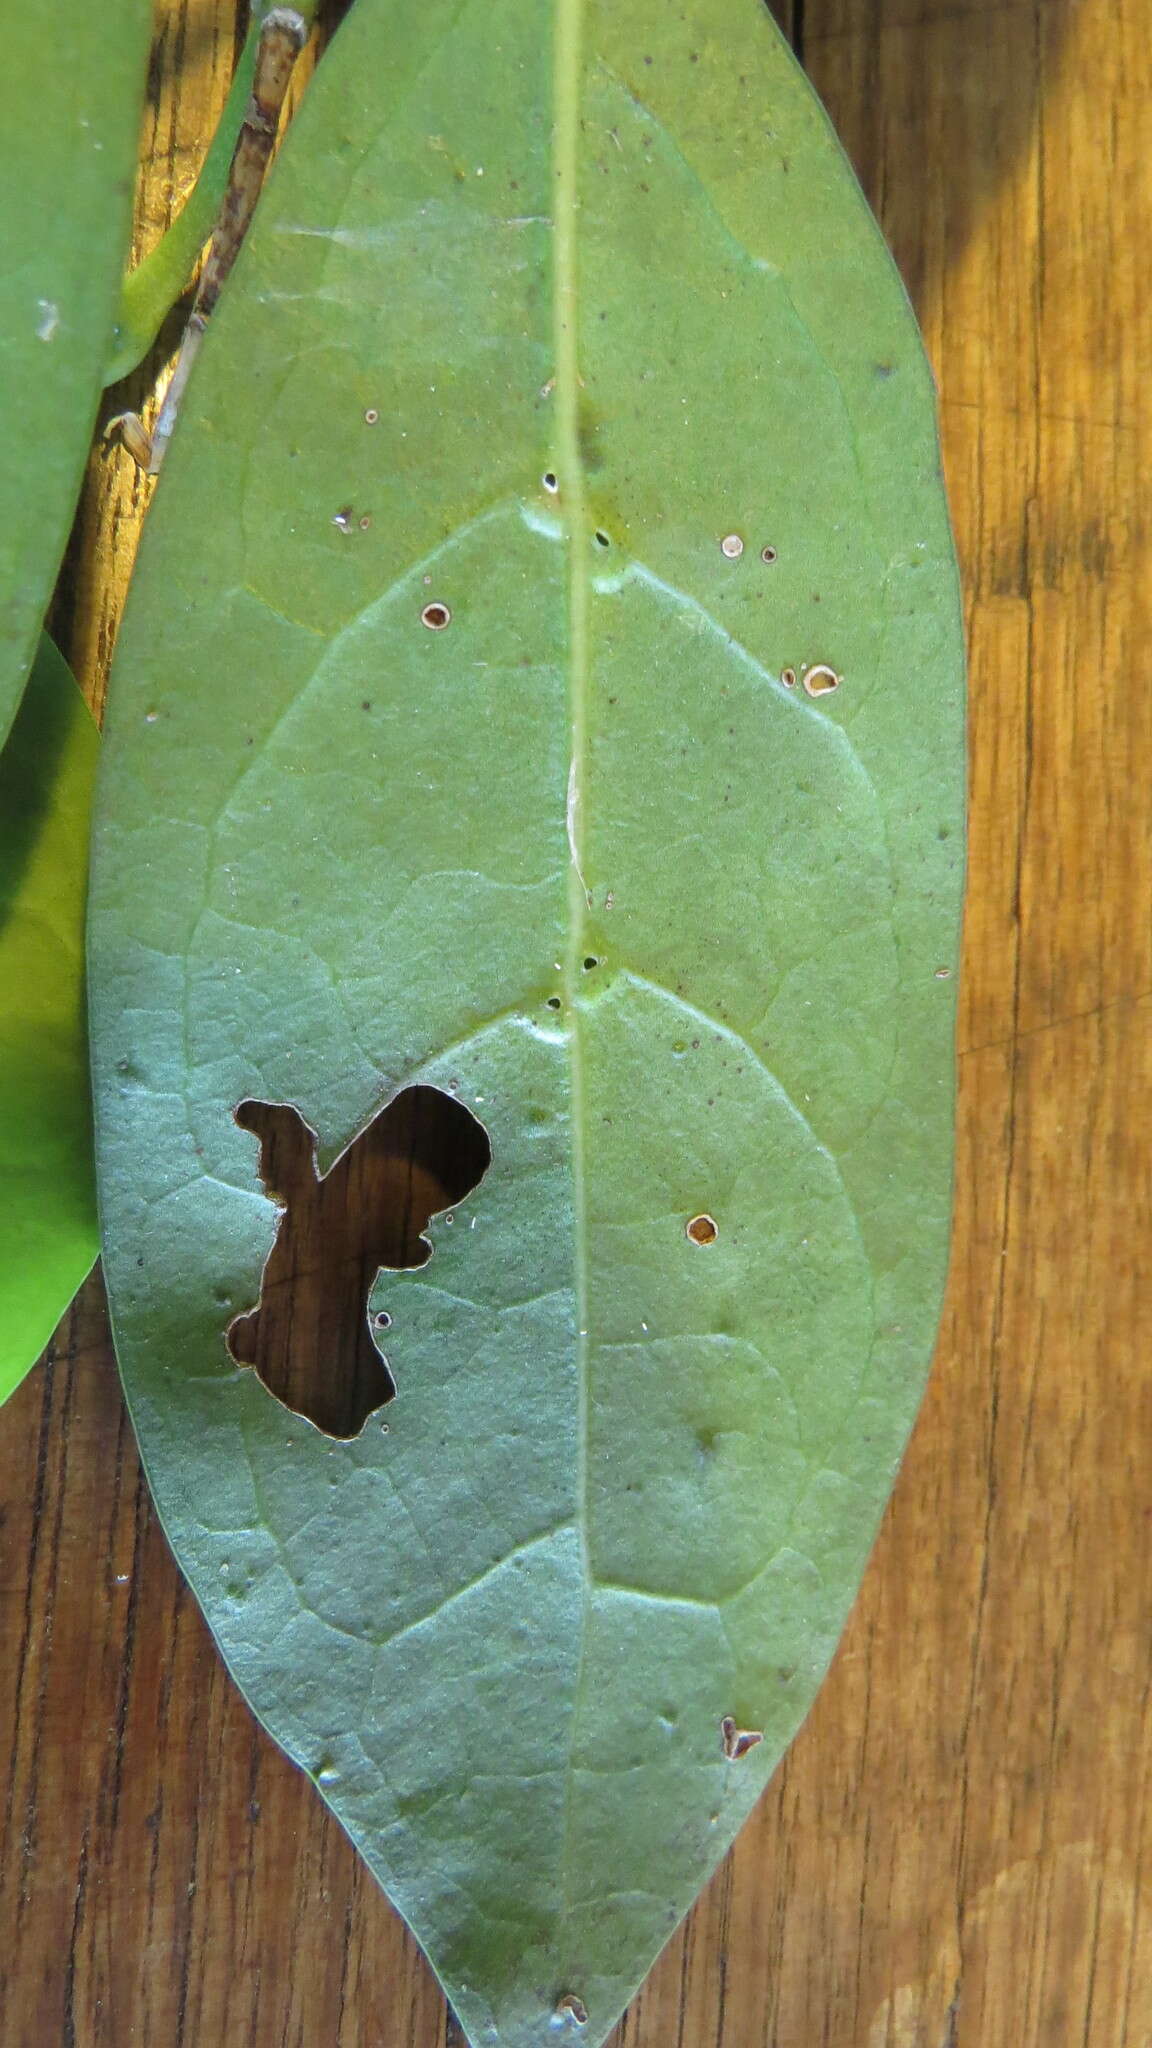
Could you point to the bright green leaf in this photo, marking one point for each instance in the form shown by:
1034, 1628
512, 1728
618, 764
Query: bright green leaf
70, 94
545, 305
48, 1236
151, 290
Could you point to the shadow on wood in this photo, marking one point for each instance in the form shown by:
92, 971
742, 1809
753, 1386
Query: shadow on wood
972, 75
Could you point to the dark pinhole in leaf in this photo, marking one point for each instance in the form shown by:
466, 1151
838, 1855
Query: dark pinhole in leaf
309, 1338
601, 538
436, 616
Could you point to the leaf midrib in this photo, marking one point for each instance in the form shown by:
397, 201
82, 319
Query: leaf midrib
567, 79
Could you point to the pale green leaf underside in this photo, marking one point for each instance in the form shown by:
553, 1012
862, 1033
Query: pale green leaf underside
70, 93
628, 1484
47, 1197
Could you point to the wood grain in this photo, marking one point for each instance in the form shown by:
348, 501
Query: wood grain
308, 1337
956, 1853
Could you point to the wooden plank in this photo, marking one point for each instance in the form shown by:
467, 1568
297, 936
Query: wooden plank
955, 1853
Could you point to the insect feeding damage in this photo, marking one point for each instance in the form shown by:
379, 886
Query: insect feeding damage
308, 1338
736, 1742
572, 2008
820, 679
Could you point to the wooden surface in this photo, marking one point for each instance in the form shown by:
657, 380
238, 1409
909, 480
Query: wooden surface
957, 1852
308, 1337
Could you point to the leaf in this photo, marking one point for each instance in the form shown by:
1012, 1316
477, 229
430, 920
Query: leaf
150, 291
70, 96
565, 404
48, 1236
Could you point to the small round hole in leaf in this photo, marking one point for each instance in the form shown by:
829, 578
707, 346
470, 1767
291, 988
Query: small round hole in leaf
736, 1742
820, 680
702, 1229
436, 616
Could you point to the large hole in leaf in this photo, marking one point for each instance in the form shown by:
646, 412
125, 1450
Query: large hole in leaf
308, 1337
